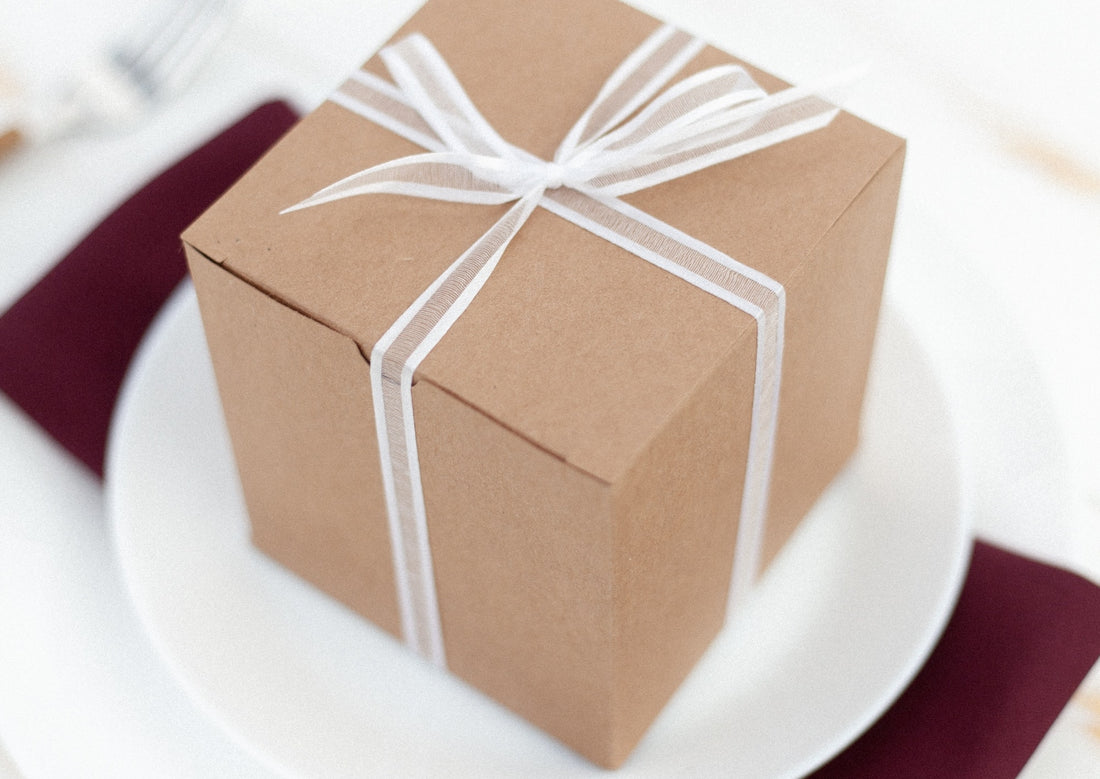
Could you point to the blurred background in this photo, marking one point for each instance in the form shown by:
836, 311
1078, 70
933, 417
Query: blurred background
997, 254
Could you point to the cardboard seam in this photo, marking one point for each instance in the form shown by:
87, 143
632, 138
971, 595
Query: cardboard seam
365, 354
287, 304
510, 429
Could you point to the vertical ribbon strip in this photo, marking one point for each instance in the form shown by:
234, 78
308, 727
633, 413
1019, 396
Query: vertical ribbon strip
633, 136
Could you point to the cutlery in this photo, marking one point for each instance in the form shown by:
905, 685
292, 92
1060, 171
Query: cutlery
124, 83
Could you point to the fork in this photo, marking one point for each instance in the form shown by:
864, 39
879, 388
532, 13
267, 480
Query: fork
124, 83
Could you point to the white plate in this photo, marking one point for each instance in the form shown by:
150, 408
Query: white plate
835, 631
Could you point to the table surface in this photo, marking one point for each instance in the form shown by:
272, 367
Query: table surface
996, 259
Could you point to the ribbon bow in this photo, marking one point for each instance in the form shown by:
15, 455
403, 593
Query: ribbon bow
630, 138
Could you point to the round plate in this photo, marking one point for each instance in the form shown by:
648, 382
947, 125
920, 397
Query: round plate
833, 633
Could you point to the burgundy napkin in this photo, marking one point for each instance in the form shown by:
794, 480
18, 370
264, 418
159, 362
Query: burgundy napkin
65, 345
1021, 640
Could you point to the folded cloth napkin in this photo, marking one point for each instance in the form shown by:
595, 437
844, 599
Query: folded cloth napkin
65, 345
1022, 638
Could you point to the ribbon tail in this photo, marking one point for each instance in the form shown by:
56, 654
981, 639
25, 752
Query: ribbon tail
394, 360
447, 176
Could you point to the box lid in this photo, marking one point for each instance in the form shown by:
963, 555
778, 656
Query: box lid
574, 344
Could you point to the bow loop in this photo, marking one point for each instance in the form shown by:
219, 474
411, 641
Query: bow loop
677, 110
433, 90
707, 118
638, 78
718, 138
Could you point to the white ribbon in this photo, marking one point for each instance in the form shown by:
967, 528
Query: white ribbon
621, 144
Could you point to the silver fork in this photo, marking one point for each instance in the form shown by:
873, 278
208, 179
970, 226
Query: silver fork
126, 81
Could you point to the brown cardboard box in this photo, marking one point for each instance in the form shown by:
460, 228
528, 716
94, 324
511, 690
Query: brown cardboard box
583, 427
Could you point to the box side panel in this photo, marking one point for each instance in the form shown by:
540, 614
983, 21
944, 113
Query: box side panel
296, 398
833, 309
521, 547
676, 515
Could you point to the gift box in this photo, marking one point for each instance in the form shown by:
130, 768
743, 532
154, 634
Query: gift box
552, 497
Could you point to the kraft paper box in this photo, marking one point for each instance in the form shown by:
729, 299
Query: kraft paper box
583, 427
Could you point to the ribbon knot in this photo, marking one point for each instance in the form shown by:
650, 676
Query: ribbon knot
554, 175
630, 138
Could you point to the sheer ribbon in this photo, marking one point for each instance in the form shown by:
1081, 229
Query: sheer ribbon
633, 136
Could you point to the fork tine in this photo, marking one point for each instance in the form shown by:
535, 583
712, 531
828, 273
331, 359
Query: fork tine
116, 88
192, 47
172, 45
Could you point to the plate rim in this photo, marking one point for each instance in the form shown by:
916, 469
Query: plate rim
171, 316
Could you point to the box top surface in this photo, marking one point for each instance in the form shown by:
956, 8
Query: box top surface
573, 343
